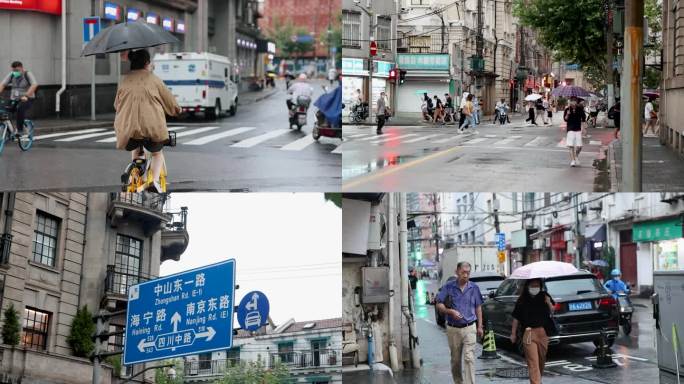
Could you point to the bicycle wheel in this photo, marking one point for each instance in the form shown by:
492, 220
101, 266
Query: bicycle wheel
3, 132
26, 140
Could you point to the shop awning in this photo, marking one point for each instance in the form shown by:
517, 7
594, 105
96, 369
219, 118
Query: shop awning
547, 232
428, 74
595, 232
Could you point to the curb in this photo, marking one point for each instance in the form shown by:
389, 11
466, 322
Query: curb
614, 182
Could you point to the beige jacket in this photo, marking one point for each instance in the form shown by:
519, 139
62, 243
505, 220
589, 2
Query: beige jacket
141, 101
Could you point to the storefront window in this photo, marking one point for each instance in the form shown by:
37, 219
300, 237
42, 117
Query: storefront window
669, 255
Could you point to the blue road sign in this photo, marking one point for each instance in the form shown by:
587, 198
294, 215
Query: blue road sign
252, 313
500, 241
91, 27
186, 313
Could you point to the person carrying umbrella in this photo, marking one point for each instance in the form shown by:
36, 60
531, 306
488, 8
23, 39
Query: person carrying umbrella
574, 116
532, 313
461, 303
141, 102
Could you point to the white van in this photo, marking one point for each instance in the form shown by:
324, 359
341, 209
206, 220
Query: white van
201, 82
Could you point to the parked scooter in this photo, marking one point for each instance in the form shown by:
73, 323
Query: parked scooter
299, 111
358, 113
502, 116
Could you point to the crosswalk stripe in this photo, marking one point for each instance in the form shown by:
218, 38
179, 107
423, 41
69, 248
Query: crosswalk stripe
259, 139
422, 138
51, 135
490, 136
536, 142
337, 150
595, 142
217, 136
358, 135
299, 144
88, 136
475, 141
113, 139
507, 140
372, 137
384, 140
196, 131
441, 141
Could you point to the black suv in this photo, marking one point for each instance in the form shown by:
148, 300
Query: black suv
583, 308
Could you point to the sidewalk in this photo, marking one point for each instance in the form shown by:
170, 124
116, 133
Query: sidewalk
106, 120
661, 168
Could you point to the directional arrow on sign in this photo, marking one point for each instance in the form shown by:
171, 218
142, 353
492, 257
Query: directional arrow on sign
175, 319
209, 334
142, 345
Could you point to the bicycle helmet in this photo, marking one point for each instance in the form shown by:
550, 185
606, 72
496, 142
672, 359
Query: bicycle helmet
615, 272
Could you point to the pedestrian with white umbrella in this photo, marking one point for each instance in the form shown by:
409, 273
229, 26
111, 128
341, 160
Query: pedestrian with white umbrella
533, 312
531, 98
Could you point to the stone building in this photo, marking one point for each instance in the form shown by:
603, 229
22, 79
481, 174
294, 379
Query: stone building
62, 251
672, 92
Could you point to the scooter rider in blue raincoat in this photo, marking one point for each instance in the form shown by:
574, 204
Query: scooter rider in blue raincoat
615, 285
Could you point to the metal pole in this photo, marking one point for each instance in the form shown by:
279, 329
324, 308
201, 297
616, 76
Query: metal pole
610, 87
92, 91
630, 101
99, 328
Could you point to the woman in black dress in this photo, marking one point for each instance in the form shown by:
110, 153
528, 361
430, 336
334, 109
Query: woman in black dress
533, 314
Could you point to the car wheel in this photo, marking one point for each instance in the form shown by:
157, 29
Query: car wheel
233, 108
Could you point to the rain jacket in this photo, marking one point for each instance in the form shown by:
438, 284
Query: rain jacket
330, 104
142, 100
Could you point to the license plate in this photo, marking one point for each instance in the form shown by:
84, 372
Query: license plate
579, 306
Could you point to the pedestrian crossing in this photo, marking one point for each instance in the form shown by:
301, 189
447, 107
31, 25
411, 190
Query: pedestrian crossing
198, 136
466, 139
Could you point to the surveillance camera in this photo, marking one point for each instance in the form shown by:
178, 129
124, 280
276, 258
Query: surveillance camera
357, 1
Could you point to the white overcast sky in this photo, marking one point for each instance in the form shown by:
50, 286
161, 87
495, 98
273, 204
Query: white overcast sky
287, 245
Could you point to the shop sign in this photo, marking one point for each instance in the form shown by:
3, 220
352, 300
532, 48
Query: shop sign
351, 66
112, 11
180, 26
133, 14
382, 68
152, 18
422, 61
46, 6
657, 230
167, 23
519, 239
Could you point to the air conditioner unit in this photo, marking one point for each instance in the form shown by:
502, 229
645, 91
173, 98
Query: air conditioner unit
568, 235
402, 44
567, 196
455, 23
537, 244
547, 242
548, 222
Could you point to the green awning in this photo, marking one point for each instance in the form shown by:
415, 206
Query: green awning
656, 230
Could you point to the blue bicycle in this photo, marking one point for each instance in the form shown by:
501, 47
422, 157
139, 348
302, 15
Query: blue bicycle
8, 132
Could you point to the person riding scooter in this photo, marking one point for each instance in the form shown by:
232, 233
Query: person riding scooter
300, 97
620, 292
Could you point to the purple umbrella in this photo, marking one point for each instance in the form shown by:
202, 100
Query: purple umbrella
569, 91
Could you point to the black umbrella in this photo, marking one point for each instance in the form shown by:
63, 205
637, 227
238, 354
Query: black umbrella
129, 35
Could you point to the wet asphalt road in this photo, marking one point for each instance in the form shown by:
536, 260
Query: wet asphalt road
251, 151
565, 364
512, 157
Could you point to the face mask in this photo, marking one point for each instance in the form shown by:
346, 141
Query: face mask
534, 291
16, 73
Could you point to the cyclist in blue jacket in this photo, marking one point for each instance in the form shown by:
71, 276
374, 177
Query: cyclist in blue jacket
615, 285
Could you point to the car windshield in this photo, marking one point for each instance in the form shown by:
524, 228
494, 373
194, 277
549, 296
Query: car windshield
487, 285
573, 286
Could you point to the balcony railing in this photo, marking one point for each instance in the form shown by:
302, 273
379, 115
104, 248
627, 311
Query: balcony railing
117, 281
5, 245
209, 367
179, 220
154, 201
305, 359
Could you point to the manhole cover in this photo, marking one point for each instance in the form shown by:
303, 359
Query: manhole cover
519, 373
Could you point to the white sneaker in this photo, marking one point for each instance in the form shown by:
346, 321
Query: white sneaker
572, 163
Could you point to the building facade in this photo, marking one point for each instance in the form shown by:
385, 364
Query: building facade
35, 39
317, 17
357, 29
311, 351
62, 251
672, 92
375, 328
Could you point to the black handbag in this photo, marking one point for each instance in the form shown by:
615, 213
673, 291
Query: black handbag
551, 325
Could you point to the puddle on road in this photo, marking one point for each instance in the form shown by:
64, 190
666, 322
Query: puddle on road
372, 166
